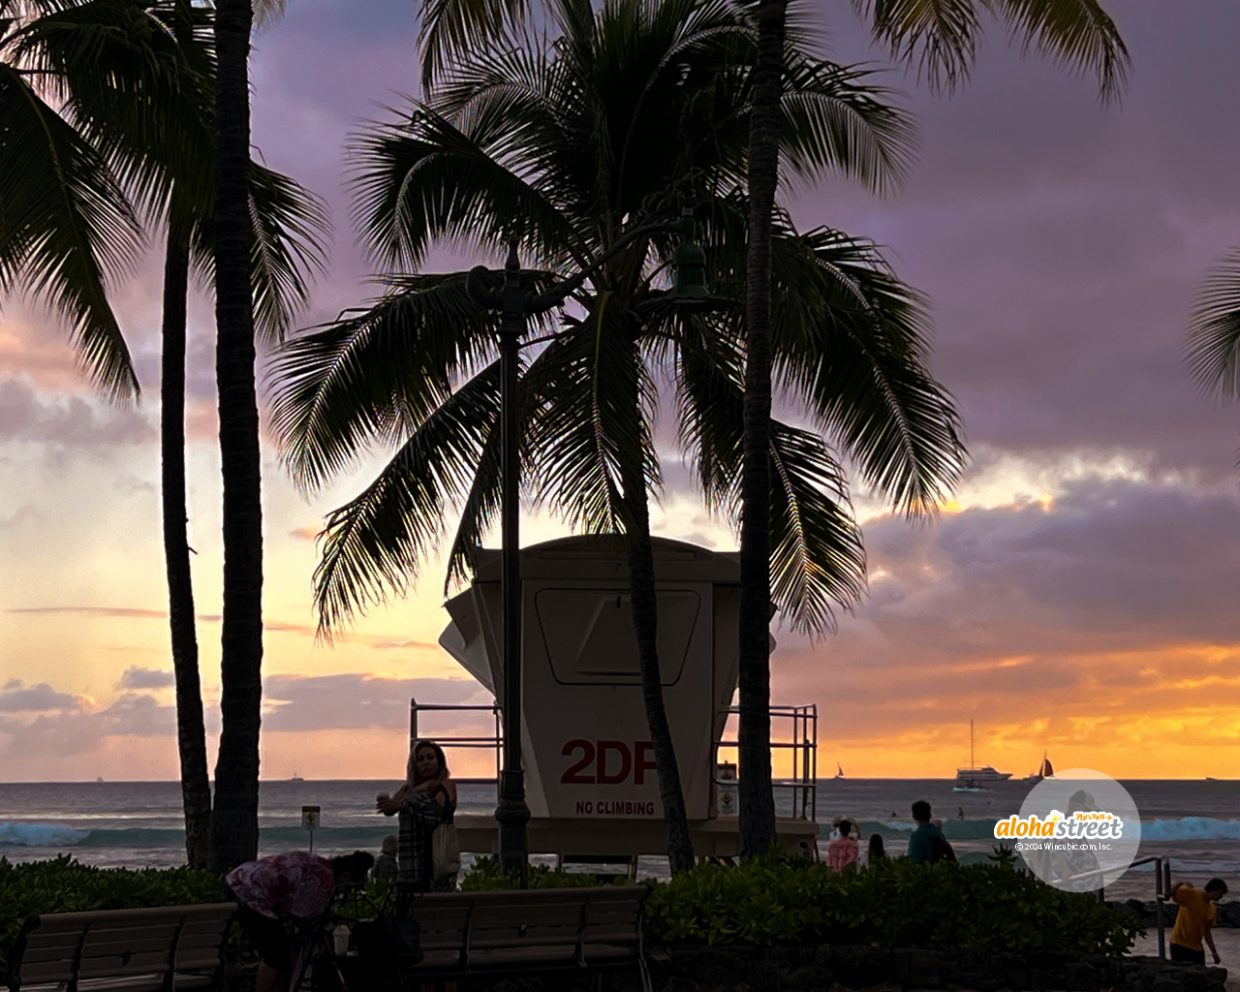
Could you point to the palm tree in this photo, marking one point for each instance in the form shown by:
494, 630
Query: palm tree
155, 139
234, 823
941, 38
569, 147
287, 246
1214, 332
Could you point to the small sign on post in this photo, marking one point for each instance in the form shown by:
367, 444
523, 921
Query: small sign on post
310, 821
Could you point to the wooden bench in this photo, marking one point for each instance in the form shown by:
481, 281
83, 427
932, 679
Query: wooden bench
528, 931
161, 949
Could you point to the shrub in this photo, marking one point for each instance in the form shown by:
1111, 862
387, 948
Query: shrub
900, 904
63, 885
487, 874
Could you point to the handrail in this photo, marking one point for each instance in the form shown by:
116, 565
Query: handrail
467, 741
1162, 890
803, 783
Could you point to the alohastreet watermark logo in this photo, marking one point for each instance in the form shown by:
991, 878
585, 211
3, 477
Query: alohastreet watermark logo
1078, 831
1082, 825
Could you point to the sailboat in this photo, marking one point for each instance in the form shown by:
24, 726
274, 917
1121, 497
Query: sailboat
839, 771
1046, 770
974, 779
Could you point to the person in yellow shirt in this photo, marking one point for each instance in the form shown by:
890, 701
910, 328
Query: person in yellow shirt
1194, 920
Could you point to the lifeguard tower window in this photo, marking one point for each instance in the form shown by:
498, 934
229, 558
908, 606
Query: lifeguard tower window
588, 634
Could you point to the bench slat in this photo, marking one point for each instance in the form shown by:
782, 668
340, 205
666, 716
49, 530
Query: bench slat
125, 917
115, 965
111, 945
125, 949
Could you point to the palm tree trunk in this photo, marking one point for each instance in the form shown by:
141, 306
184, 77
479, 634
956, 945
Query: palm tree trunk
645, 626
645, 609
191, 735
234, 827
757, 806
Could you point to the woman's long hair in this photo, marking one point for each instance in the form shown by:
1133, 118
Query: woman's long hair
411, 770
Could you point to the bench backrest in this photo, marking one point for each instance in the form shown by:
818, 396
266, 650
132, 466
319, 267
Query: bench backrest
550, 925
65, 948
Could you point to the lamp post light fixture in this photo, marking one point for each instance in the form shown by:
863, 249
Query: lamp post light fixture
511, 293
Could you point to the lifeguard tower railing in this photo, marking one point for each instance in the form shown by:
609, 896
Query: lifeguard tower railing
794, 758
794, 739
450, 741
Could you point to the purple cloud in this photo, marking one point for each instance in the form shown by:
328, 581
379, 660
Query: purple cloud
16, 697
146, 678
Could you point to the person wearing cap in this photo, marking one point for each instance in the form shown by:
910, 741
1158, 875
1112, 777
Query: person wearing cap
385, 863
1194, 920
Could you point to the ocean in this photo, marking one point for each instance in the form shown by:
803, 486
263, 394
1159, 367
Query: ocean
138, 824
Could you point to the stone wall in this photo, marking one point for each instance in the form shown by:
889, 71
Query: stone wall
1228, 912
838, 967
852, 969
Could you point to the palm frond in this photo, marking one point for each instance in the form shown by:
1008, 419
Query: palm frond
135, 79
267, 12
374, 375
373, 544
291, 231
1076, 33
291, 228
65, 224
817, 558
1214, 330
836, 119
852, 341
817, 555
596, 413
429, 179
941, 36
450, 28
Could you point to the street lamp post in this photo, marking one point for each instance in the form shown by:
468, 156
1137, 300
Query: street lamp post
511, 293
510, 296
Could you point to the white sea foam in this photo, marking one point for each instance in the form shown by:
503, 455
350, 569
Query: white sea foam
39, 834
1190, 828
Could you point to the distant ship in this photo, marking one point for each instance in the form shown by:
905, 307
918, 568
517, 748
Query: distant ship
974, 779
839, 771
296, 778
1046, 770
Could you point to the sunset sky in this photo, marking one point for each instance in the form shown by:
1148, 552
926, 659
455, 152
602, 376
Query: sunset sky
1078, 595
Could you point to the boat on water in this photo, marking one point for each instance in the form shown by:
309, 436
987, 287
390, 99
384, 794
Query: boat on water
296, 778
1045, 770
975, 779
839, 771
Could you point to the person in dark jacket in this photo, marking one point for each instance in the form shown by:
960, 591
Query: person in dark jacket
927, 845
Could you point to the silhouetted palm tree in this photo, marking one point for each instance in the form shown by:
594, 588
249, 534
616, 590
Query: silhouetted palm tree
940, 36
576, 146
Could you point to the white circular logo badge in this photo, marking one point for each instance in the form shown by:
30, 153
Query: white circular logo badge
1078, 831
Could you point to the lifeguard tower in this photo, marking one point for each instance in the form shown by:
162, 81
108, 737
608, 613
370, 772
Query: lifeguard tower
591, 782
